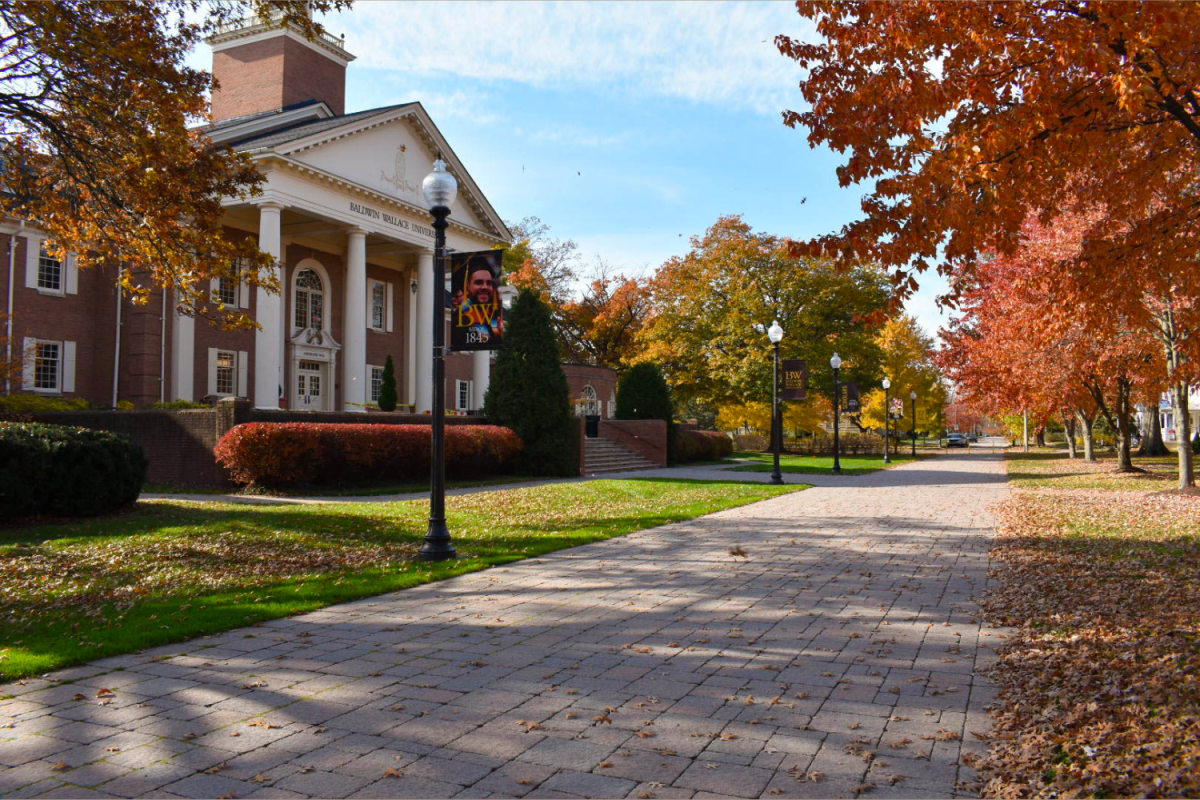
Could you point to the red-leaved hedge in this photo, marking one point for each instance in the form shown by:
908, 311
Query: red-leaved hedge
702, 446
289, 453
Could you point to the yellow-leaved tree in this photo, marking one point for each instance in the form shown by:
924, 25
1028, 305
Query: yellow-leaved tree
908, 361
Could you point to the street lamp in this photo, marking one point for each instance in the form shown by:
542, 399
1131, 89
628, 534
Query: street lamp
887, 414
775, 334
440, 189
836, 363
913, 396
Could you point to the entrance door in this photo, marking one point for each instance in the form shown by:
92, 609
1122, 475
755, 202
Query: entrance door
310, 385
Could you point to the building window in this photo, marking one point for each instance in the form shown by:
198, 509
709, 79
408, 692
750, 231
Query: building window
378, 305
376, 384
310, 300
226, 292
226, 372
612, 404
49, 276
463, 393
47, 366
589, 405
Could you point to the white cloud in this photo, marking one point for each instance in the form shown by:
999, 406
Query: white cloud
718, 53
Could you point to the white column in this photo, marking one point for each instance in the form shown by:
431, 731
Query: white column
183, 357
410, 341
425, 295
354, 331
269, 314
480, 375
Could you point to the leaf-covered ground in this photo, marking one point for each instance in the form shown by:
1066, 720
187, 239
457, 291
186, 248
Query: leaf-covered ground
167, 571
1100, 686
1053, 470
818, 465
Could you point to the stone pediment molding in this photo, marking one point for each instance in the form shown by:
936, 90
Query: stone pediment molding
418, 119
311, 337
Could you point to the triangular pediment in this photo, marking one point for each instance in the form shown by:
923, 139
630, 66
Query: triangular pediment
391, 153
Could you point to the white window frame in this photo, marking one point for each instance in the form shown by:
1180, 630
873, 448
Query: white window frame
64, 378
241, 289
241, 368
47, 260
374, 385
68, 270
459, 386
387, 306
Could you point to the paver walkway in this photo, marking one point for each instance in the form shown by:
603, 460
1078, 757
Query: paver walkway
840, 651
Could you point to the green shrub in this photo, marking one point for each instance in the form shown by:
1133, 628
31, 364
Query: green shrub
60, 470
175, 405
387, 388
642, 393
693, 445
529, 392
36, 403
328, 454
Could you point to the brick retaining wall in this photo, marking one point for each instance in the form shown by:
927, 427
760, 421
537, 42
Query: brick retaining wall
179, 443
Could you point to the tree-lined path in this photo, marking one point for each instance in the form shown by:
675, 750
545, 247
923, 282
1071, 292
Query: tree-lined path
814, 644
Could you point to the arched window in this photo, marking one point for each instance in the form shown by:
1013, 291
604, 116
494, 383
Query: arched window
612, 404
309, 300
591, 405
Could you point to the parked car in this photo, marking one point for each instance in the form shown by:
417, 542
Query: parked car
956, 440
972, 438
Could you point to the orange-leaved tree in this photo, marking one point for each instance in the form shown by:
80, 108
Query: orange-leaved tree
97, 100
964, 116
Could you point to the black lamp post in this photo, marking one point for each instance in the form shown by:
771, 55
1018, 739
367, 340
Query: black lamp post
836, 363
775, 334
440, 189
913, 396
887, 415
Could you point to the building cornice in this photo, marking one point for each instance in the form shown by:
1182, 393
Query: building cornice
372, 195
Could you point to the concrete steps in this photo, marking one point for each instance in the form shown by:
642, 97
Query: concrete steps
602, 455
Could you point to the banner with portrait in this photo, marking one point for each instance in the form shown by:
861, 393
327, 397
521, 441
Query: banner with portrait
476, 314
897, 409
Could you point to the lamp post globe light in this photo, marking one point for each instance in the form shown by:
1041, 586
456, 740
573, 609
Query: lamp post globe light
836, 363
913, 396
887, 414
775, 334
440, 188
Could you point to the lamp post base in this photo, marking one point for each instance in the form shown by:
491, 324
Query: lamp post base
776, 479
437, 546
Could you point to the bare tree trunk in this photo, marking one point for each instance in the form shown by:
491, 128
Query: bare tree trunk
1040, 436
1087, 424
1118, 418
1124, 409
1170, 335
1152, 443
1183, 424
1069, 432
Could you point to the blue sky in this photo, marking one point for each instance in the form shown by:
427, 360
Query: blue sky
627, 127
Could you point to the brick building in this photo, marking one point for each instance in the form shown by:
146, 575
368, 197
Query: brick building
341, 210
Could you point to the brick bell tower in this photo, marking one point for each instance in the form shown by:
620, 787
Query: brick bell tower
262, 66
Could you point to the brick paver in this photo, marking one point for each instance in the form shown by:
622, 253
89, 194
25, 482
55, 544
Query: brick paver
838, 657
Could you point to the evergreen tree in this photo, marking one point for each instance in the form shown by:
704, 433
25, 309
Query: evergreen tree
387, 388
642, 393
529, 391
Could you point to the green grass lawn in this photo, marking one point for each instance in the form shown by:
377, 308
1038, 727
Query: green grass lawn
1054, 470
168, 570
817, 465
